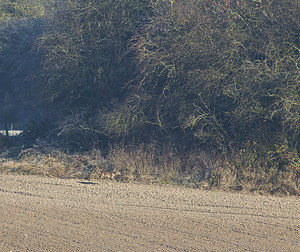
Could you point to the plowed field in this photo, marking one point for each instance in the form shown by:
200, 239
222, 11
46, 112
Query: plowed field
47, 214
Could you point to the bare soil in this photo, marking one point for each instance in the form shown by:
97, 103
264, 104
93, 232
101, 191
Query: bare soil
49, 214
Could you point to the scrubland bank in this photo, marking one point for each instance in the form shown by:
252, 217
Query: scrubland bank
199, 90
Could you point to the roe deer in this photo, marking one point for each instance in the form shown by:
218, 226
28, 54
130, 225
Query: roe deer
109, 174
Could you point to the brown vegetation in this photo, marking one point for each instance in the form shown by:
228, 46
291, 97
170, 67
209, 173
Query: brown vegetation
196, 92
148, 164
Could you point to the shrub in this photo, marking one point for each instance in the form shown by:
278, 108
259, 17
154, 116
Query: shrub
86, 63
222, 71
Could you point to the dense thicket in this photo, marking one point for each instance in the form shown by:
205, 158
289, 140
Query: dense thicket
86, 57
193, 72
221, 72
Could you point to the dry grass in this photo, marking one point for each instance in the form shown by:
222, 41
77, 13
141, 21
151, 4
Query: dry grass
258, 175
148, 164
259, 182
141, 164
48, 161
145, 163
